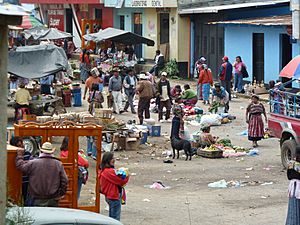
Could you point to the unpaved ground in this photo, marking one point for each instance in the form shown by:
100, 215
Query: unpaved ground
189, 200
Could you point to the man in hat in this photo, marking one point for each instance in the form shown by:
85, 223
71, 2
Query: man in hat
129, 84
115, 89
164, 97
225, 75
219, 94
47, 178
145, 91
93, 79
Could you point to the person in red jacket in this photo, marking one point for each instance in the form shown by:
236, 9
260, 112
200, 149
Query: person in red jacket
83, 164
111, 185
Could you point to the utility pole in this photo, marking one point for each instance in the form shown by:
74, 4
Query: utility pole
8, 16
3, 117
295, 8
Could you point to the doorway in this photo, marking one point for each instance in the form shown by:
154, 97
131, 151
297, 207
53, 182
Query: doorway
138, 29
69, 21
286, 54
164, 28
258, 57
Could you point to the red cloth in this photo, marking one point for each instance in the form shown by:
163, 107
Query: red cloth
81, 161
205, 77
111, 183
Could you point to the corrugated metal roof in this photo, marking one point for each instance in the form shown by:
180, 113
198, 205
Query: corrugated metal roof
283, 20
215, 9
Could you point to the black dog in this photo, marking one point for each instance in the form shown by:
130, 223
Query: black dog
180, 144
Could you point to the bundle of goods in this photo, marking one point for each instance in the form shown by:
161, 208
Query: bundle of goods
210, 152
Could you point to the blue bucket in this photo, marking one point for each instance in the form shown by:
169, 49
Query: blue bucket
144, 138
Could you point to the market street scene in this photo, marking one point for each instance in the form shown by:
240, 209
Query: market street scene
150, 112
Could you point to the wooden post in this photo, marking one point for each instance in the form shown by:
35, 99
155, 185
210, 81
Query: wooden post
3, 117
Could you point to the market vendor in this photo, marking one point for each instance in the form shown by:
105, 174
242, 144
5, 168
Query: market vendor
93, 79
189, 96
176, 91
46, 84
22, 97
219, 94
206, 137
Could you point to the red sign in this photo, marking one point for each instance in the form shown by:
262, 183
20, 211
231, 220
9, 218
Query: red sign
56, 19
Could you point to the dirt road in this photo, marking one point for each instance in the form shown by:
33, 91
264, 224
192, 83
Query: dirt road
189, 200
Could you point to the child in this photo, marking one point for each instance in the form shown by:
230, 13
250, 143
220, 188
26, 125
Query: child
206, 138
95, 98
111, 185
178, 113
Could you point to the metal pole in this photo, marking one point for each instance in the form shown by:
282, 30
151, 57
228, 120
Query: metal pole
3, 118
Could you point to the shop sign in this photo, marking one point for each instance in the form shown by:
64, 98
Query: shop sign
56, 19
144, 3
114, 3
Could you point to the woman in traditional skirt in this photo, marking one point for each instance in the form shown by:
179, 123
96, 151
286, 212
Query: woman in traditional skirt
293, 174
254, 119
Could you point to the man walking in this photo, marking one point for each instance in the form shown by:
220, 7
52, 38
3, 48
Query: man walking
164, 96
93, 79
115, 89
129, 84
225, 75
145, 91
47, 178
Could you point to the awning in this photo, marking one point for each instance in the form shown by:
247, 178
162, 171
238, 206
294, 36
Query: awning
12, 10
37, 61
283, 20
118, 36
43, 33
215, 9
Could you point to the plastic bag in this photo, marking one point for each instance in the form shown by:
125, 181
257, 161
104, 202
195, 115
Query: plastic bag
211, 120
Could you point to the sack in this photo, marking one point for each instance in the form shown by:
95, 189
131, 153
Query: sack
244, 72
211, 120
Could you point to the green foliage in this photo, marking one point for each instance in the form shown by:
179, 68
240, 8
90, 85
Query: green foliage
172, 68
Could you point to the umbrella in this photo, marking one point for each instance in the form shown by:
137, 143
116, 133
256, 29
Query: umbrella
292, 69
119, 36
30, 21
43, 33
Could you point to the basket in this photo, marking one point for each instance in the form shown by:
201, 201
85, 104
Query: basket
210, 154
103, 113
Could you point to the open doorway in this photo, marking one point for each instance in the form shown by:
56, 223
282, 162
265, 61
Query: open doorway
258, 57
138, 29
69, 21
164, 28
286, 54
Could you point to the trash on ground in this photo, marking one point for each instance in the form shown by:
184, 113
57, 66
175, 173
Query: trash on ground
266, 183
253, 152
218, 184
157, 185
146, 200
249, 169
168, 161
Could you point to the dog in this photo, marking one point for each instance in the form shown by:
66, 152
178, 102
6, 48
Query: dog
180, 144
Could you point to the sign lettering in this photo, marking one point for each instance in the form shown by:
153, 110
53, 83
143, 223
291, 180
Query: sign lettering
146, 3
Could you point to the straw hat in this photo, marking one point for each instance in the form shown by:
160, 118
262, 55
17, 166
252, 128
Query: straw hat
164, 74
47, 148
143, 76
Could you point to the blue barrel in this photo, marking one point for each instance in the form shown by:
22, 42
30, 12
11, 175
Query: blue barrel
77, 99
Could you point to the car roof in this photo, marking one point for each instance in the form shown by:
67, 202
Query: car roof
52, 215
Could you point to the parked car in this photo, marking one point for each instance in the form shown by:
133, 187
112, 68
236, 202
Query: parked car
56, 216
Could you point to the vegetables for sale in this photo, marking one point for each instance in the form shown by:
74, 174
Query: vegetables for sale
225, 142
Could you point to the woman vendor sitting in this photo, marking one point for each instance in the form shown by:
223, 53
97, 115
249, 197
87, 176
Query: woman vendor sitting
206, 138
189, 96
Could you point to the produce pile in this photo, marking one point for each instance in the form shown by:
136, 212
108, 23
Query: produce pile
228, 149
215, 107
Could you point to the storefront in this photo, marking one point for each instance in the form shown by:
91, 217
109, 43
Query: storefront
159, 21
71, 17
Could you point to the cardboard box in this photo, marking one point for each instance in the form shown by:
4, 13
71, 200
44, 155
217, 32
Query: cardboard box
29, 117
132, 144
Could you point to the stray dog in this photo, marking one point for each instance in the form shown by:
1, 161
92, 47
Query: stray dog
180, 144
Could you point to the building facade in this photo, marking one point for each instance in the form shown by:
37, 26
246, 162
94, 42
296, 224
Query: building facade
74, 16
159, 21
264, 48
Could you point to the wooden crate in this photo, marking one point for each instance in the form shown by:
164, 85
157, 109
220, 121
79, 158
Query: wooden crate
103, 113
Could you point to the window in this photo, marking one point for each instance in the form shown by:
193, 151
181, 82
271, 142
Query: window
98, 14
122, 22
